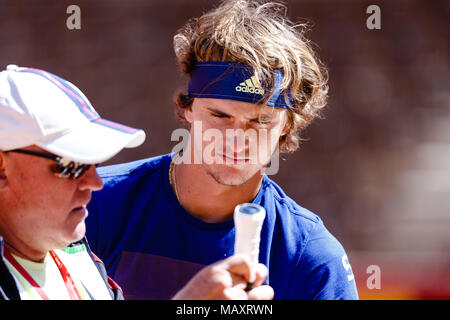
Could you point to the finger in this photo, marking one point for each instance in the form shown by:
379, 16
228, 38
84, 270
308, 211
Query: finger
235, 294
238, 282
239, 265
261, 273
261, 293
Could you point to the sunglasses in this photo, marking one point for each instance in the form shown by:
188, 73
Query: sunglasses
63, 168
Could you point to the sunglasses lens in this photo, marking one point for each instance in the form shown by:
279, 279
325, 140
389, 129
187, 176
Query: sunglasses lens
70, 170
81, 170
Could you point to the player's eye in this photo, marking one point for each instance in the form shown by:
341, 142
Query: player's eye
262, 121
220, 115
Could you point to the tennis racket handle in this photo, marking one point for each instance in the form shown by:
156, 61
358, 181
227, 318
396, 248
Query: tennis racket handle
248, 221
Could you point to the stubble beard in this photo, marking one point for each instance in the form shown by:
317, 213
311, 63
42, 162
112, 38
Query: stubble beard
233, 178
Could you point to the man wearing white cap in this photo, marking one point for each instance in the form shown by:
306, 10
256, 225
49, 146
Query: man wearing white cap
50, 140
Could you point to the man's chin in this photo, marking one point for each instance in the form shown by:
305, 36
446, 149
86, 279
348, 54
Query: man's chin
74, 234
231, 175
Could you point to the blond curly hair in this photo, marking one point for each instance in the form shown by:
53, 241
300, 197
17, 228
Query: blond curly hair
259, 34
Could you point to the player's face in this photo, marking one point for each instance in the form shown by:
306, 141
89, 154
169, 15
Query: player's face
40, 208
237, 138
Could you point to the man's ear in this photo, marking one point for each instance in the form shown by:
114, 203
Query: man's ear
188, 114
3, 178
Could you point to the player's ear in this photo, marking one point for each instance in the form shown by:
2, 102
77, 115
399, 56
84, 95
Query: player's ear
3, 178
188, 113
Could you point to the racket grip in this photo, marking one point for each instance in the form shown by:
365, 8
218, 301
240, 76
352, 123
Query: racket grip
248, 220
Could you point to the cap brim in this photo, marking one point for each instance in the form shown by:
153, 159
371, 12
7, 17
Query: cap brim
95, 142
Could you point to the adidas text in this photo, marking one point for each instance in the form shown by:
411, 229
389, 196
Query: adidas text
250, 90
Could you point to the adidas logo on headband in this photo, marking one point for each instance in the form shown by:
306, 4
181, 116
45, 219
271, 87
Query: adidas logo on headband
250, 85
228, 80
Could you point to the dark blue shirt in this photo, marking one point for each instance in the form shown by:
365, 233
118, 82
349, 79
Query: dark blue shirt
151, 246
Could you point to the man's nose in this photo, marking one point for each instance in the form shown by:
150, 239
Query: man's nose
90, 180
238, 136
240, 124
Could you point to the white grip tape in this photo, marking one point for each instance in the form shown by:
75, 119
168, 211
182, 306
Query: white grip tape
248, 220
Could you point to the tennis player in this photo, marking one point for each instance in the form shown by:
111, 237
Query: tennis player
254, 84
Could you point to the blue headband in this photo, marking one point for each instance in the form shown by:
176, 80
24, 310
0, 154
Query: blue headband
234, 81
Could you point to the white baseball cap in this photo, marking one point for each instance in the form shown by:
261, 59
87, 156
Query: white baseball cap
39, 108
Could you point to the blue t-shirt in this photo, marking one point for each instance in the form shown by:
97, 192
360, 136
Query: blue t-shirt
152, 246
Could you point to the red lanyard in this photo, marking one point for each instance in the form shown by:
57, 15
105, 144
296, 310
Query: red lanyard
70, 285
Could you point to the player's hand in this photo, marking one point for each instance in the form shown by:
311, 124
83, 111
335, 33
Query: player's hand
227, 280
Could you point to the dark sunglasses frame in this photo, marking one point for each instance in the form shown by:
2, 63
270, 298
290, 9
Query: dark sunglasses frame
63, 168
